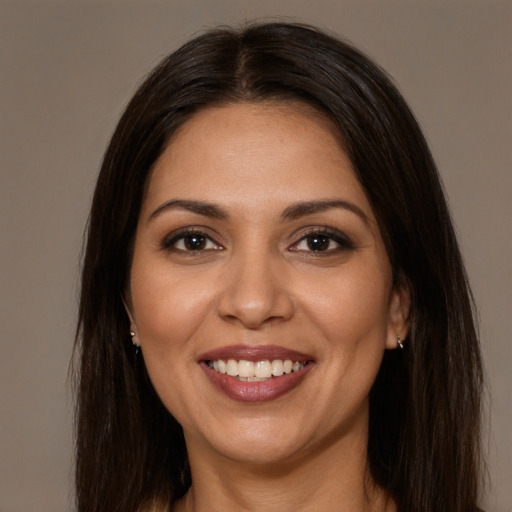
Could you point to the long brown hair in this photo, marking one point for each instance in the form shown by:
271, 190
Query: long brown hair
424, 433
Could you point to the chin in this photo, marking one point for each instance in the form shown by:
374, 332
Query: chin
256, 441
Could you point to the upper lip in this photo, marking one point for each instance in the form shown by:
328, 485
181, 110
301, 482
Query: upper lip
254, 353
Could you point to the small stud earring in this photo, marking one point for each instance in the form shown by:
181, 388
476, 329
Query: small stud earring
400, 343
136, 346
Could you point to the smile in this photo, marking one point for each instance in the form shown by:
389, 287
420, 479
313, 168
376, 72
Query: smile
255, 374
259, 371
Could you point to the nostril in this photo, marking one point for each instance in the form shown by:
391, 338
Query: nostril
257, 317
255, 294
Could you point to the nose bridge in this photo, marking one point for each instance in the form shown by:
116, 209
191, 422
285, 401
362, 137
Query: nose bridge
256, 291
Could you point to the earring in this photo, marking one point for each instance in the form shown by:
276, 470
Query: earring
136, 346
400, 343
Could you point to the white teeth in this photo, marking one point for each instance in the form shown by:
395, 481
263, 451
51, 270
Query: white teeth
232, 368
277, 368
262, 370
246, 368
222, 366
255, 372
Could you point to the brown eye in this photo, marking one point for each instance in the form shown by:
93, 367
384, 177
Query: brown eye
324, 241
195, 242
318, 242
190, 241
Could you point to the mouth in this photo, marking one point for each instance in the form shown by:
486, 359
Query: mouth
255, 374
259, 371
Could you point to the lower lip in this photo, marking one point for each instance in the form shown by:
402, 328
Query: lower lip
252, 392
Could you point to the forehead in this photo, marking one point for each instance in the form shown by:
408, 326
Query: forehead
248, 153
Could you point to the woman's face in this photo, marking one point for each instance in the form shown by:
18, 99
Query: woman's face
258, 254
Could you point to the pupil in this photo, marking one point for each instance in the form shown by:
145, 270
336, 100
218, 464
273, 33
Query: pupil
195, 242
318, 242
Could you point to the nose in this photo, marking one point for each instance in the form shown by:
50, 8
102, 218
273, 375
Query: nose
256, 292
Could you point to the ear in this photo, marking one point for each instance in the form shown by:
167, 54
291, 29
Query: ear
398, 316
128, 306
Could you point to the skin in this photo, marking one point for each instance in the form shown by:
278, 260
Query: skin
257, 281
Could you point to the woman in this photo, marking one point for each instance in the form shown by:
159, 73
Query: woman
274, 310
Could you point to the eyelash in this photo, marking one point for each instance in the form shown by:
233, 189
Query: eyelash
169, 244
343, 241
332, 235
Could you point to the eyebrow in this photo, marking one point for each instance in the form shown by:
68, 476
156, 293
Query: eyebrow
200, 207
302, 209
292, 212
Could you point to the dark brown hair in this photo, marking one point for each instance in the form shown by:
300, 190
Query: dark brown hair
424, 439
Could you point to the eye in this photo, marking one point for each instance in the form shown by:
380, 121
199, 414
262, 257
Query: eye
317, 243
191, 241
323, 241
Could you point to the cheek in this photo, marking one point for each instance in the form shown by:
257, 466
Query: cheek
353, 321
168, 308
351, 307
168, 313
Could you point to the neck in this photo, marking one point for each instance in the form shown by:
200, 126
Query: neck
332, 477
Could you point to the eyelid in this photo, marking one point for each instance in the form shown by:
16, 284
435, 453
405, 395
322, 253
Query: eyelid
169, 241
344, 242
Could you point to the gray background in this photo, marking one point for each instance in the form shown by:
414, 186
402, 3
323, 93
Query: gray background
67, 69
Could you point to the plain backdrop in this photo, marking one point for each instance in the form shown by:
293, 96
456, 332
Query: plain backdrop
67, 69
